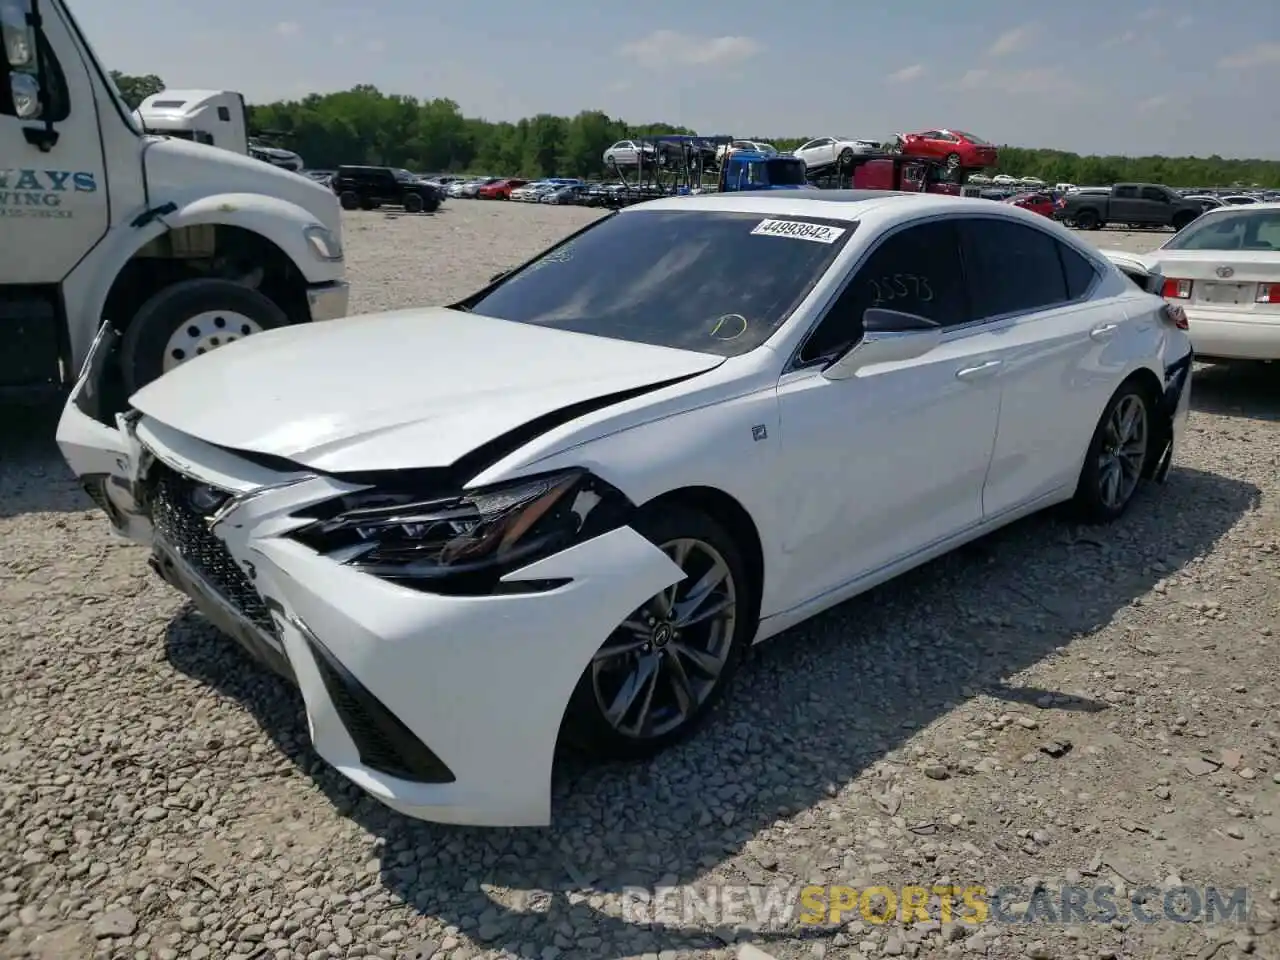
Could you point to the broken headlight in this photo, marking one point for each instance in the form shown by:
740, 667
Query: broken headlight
464, 544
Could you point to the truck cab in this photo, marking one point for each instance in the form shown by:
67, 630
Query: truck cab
163, 248
911, 174
759, 171
214, 117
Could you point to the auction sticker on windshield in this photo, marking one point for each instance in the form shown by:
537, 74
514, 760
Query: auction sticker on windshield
798, 230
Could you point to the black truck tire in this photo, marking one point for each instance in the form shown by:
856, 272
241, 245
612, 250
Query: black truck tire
150, 332
1182, 220
350, 200
413, 203
1088, 220
432, 204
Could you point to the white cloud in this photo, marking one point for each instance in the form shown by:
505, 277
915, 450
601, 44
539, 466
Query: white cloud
1011, 41
1128, 37
1184, 21
1037, 81
907, 74
1260, 55
1149, 14
288, 28
668, 48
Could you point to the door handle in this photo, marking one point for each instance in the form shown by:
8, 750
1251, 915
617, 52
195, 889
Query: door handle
980, 371
1104, 331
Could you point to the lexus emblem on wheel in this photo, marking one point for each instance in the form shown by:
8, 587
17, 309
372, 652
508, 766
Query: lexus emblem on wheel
1225, 272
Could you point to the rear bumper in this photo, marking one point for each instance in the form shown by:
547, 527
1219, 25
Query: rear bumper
1226, 335
328, 301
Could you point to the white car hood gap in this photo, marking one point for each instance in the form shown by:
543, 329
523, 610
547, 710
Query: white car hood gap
411, 389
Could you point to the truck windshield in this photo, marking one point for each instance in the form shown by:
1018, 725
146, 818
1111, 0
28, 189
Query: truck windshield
705, 280
786, 173
1237, 230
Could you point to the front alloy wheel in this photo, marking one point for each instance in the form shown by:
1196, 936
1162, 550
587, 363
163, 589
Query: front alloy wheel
657, 676
665, 660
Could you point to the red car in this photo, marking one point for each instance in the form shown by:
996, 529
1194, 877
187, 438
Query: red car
957, 148
1040, 203
500, 189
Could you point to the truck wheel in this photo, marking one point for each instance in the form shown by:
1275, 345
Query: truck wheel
1182, 220
188, 319
1087, 220
413, 203
367, 205
432, 205
350, 200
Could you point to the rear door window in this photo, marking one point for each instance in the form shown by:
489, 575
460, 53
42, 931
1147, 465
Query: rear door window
1011, 268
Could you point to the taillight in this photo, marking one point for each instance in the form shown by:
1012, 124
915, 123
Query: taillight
1175, 315
1177, 289
1268, 293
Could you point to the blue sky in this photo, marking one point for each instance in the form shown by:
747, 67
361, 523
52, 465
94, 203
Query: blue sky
1085, 75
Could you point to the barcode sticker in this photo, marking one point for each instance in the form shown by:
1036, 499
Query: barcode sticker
798, 230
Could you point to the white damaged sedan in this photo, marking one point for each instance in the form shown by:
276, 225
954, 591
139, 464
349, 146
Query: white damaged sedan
560, 510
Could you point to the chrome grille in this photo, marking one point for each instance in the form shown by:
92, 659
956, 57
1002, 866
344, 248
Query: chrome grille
182, 527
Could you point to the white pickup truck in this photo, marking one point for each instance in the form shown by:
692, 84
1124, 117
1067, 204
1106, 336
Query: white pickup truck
181, 247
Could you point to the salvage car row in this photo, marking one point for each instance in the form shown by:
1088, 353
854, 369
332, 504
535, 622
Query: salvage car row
648, 472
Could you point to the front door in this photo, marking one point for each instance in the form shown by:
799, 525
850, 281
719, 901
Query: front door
53, 203
893, 459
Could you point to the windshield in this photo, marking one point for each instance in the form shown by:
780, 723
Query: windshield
786, 172
403, 175
978, 141
1236, 230
704, 280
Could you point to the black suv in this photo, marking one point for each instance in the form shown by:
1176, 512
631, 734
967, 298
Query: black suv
367, 188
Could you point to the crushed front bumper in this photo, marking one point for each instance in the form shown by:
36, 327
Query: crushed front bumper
444, 708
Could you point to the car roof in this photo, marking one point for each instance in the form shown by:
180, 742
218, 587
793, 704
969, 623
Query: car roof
827, 204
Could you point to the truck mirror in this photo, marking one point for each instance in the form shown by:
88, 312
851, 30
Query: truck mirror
19, 38
25, 90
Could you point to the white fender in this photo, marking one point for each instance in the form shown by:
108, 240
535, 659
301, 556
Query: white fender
277, 220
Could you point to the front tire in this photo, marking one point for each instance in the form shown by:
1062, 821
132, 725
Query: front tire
1116, 461
412, 203
188, 319
656, 679
350, 200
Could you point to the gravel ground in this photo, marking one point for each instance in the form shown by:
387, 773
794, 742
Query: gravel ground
1048, 707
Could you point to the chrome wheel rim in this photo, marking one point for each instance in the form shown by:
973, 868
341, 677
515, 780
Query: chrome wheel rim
666, 659
204, 332
1124, 451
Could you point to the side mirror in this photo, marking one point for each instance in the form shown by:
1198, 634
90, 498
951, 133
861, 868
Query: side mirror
889, 336
19, 37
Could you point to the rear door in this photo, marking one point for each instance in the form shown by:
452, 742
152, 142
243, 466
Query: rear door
1125, 206
1061, 354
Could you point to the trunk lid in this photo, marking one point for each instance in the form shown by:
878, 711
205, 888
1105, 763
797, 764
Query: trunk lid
1237, 292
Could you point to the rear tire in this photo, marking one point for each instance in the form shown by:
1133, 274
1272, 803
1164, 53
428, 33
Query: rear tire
846, 156
1088, 220
683, 674
412, 203
953, 161
154, 330
1118, 456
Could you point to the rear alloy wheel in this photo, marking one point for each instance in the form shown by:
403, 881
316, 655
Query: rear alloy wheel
1117, 456
658, 675
953, 161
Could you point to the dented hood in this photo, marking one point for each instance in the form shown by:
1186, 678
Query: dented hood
410, 389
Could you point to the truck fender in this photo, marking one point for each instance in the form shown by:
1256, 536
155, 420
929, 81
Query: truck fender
281, 222
276, 220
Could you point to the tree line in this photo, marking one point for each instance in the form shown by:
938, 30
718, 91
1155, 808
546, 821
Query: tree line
365, 125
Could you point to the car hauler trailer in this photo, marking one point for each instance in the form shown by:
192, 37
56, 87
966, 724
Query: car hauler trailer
179, 247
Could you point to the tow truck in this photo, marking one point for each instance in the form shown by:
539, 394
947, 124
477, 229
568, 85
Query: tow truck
885, 171
157, 248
